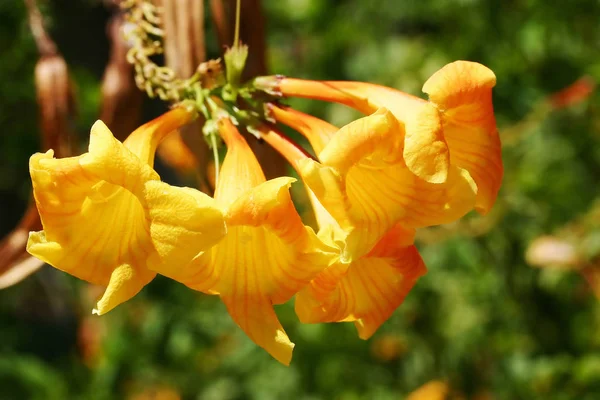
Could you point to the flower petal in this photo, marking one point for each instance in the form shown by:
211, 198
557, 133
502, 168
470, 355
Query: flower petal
425, 151
110, 160
264, 224
317, 131
183, 223
240, 170
94, 212
366, 291
125, 282
255, 315
425, 147
463, 93
266, 256
365, 185
144, 140
91, 227
253, 268
378, 137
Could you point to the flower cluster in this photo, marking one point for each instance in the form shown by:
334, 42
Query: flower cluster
410, 163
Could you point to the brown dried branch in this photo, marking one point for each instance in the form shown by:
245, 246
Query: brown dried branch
12, 247
221, 22
252, 33
44, 43
20, 269
57, 106
185, 49
183, 23
121, 99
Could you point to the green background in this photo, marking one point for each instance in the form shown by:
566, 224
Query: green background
481, 319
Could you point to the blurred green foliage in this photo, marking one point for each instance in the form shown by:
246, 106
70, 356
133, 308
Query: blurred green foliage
481, 319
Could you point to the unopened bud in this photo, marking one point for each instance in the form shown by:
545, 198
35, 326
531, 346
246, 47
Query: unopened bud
211, 74
268, 84
235, 61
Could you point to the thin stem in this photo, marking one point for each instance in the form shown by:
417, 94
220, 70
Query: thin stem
293, 153
215, 149
285, 146
236, 37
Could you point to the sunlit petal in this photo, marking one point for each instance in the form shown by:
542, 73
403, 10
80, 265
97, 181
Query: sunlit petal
425, 148
266, 256
317, 131
94, 209
363, 182
367, 290
144, 140
456, 127
93, 229
463, 93
183, 223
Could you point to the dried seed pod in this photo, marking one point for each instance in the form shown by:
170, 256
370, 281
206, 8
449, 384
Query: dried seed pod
184, 45
55, 99
56, 104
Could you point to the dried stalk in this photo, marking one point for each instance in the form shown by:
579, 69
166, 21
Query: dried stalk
121, 99
185, 49
56, 102
221, 22
43, 41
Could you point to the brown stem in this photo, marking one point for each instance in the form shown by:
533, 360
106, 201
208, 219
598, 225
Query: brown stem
12, 247
44, 43
185, 50
221, 22
252, 33
121, 100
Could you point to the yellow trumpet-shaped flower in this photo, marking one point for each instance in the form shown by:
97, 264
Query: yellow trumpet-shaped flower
367, 290
363, 181
367, 281
266, 257
456, 127
109, 220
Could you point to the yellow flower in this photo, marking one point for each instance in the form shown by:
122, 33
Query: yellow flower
266, 257
363, 181
370, 276
456, 127
367, 290
107, 217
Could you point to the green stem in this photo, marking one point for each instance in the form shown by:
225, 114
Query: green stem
236, 37
215, 149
